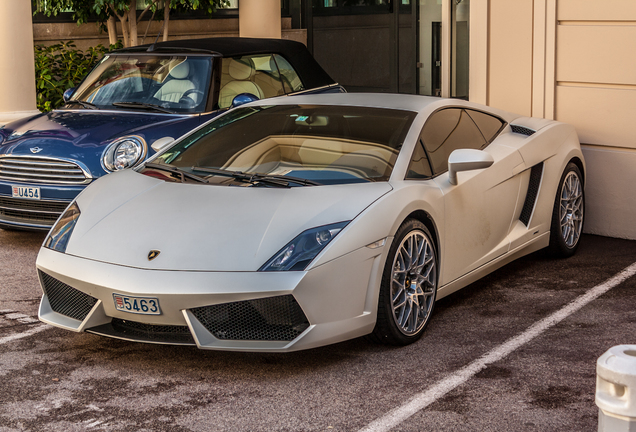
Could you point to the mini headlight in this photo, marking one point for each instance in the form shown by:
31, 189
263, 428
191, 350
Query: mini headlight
124, 153
301, 251
61, 232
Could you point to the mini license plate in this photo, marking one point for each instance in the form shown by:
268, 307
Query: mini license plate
138, 305
26, 192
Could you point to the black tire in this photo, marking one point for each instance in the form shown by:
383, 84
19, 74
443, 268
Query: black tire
423, 289
568, 213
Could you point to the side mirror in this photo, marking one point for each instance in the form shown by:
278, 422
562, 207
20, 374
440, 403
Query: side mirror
242, 99
68, 93
162, 143
467, 160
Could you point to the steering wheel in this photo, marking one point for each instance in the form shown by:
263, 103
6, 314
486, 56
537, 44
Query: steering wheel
190, 101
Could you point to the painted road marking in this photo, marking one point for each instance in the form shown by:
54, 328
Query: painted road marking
29, 332
25, 319
439, 390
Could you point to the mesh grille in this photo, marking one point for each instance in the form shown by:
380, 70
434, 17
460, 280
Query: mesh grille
151, 332
31, 211
531, 196
41, 170
269, 319
522, 130
66, 300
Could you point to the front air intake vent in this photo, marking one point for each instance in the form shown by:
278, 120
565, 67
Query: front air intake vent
531, 195
268, 319
65, 299
522, 130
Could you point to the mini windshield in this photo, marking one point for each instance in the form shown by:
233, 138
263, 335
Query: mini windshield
169, 83
321, 144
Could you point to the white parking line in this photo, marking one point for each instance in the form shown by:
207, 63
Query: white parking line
437, 391
29, 332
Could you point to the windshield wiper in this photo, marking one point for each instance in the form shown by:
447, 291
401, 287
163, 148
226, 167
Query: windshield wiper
175, 170
142, 106
86, 105
273, 180
297, 180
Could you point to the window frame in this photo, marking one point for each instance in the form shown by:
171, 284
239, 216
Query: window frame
504, 123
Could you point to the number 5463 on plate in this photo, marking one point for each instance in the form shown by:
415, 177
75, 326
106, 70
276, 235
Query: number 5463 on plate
138, 305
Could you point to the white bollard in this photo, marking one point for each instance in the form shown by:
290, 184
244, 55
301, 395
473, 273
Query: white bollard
616, 389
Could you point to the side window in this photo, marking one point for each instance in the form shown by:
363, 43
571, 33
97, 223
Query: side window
447, 130
289, 76
487, 124
419, 168
257, 75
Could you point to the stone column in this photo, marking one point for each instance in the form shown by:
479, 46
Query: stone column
17, 67
259, 18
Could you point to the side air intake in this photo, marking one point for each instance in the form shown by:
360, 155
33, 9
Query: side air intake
531, 196
522, 130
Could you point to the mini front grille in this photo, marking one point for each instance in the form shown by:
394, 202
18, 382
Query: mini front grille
522, 130
151, 332
268, 319
531, 195
41, 170
65, 299
31, 211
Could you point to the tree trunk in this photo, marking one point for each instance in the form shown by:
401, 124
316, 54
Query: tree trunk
112, 30
124, 30
132, 22
166, 20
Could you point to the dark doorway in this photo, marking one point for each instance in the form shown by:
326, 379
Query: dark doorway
436, 59
366, 45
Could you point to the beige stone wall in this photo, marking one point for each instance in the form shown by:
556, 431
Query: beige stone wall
573, 61
89, 34
17, 86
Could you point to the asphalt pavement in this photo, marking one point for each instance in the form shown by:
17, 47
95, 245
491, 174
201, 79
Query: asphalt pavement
55, 380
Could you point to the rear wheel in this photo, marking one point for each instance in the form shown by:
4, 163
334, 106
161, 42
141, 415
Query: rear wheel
409, 286
568, 213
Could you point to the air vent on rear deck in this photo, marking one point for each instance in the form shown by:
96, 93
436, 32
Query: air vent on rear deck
522, 130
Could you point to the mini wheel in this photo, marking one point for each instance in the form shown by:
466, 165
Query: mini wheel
409, 286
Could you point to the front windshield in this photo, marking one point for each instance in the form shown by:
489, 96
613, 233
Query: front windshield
173, 83
323, 144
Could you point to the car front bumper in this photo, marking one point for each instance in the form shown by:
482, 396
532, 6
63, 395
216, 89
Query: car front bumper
237, 311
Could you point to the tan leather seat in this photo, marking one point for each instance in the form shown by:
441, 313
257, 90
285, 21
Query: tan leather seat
241, 72
173, 90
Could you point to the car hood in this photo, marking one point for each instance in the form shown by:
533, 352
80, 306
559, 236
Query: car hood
201, 227
76, 134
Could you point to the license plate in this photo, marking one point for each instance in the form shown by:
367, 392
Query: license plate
137, 305
26, 192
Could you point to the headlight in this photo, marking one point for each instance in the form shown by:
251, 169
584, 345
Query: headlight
61, 232
124, 153
299, 252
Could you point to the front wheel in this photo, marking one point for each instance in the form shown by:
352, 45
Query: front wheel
409, 286
568, 213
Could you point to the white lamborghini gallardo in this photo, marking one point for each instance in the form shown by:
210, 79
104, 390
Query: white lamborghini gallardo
296, 222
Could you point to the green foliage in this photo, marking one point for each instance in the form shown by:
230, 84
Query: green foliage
62, 66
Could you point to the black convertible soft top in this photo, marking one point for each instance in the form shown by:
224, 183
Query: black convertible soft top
312, 74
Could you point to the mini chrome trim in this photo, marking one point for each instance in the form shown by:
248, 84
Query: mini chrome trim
12, 162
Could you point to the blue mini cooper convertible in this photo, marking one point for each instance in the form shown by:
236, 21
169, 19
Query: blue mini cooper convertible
135, 102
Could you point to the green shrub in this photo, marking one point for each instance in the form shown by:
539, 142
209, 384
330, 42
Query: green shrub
62, 66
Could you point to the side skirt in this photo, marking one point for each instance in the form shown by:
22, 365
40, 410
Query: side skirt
533, 245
